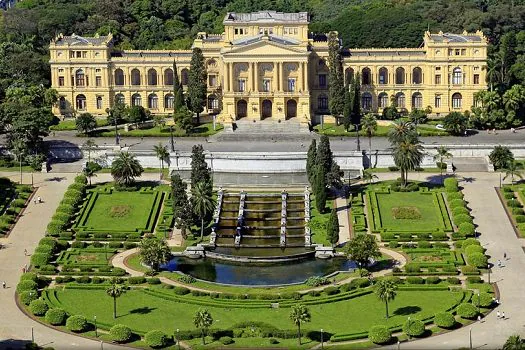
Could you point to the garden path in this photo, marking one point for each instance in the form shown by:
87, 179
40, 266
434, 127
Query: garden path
344, 223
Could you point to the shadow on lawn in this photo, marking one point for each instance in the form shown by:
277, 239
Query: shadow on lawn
407, 310
142, 310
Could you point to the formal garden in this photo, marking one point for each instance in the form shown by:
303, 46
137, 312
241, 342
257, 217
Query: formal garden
13, 200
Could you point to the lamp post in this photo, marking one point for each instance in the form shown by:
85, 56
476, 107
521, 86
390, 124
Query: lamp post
479, 310
322, 345
408, 333
500, 180
357, 134
110, 113
96, 331
470, 338
32, 335
172, 143
177, 339
398, 345
489, 274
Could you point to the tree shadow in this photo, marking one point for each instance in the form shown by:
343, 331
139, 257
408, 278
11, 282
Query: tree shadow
55, 179
142, 310
406, 310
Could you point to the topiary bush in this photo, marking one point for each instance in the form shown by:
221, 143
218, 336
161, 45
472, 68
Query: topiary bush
451, 184
414, 327
432, 280
485, 300
457, 203
444, 320
40, 259
520, 218
29, 276
26, 297
226, 340
27, 285
467, 242
453, 280
518, 211
411, 267
477, 259
120, 333
393, 244
460, 210
38, 307
461, 219
424, 244
473, 249
77, 323
467, 310
414, 280
56, 317
454, 195
466, 229
156, 339
379, 335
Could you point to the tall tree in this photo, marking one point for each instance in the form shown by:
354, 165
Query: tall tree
319, 187
162, 153
363, 248
369, 125
501, 157
336, 79
90, 145
86, 123
347, 108
299, 315
154, 252
203, 204
178, 92
332, 227
324, 154
407, 156
456, 123
115, 291
182, 210
356, 100
507, 55
402, 132
125, 168
203, 321
311, 159
199, 168
197, 82
35, 162
90, 170
19, 149
442, 154
386, 290
183, 118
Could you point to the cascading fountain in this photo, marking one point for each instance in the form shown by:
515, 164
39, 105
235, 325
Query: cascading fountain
284, 197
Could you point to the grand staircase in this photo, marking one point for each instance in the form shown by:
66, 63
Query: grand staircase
265, 130
470, 164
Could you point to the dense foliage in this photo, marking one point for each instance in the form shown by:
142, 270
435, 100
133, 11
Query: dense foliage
379, 334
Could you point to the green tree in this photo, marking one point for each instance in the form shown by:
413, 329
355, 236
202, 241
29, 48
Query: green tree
203, 204
117, 114
369, 126
86, 123
137, 115
197, 82
369, 176
115, 291
299, 315
514, 169
507, 55
178, 92
90, 170
19, 149
203, 320
89, 146
417, 116
311, 160
35, 162
125, 168
324, 158
402, 132
199, 168
455, 123
332, 227
514, 342
182, 210
355, 116
501, 157
30, 126
440, 156
363, 248
183, 118
154, 252
386, 290
162, 153
347, 108
407, 156
336, 86
319, 188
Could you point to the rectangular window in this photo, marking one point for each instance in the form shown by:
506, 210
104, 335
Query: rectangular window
236, 31
71, 54
322, 80
242, 85
98, 81
60, 81
291, 84
438, 68
450, 52
463, 52
212, 80
266, 85
476, 79
79, 54
84, 54
99, 102
437, 79
437, 101
458, 52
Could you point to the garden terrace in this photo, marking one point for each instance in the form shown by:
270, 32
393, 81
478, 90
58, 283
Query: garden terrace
513, 199
13, 199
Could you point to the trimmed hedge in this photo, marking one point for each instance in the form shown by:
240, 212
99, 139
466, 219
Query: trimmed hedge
120, 333
462, 218
379, 335
473, 249
56, 317
466, 228
451, 184
477, 259
469, 241
77, 323
26, 297
38, 307
40, 259
27, 285
485, 300
467, 310
444, 320
414, 328
156, 339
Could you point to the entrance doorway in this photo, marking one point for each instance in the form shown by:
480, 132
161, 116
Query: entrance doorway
242, 108
266, 109
291, 109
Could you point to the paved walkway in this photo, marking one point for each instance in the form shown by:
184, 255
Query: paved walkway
344, 219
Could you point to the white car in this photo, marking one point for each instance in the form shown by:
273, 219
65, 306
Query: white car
440, 127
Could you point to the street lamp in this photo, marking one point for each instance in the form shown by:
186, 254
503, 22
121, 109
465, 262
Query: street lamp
357, 134
171, 139
470, 338
110, 113
408, 326
398, 345
322, 345
479, 311
177, 339
96, 331
489, 274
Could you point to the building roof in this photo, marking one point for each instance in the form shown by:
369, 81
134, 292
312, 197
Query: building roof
253, 39
151, 54
266, 17
457, 38
386, 52
77, 40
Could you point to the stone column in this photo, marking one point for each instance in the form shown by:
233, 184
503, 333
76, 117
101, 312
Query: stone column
276, 68
225, 77
249, 83
256, 77
302, 74
230, 76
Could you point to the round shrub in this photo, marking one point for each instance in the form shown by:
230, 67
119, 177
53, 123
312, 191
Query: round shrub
508, 195
393, 244
120, 333
115, 245
467, 242
331, 290
154, 280
38, 307
461, 219
78, 244
26, 285
485, 300
514, 203
457, 203
55, 227
473, 249
137, 280
466, 229
477, 259
414, 327
66, 209
518, 211
414, 280
424, 244
454, 195
156, 339
451, 184
520, 218
273, 341
77, 323
226, 340
59, 216
26, 297
44, 249
469, 270
444, 320
18, 203
379, 334
29, 276
453, 280
507, 189
56, 317
66, 235
467, 310
460, 210
432, 280
387, 235
411, 267
81, 179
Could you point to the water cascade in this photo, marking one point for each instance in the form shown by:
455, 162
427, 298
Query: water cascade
284, 197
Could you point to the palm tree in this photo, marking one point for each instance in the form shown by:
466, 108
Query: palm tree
369, 176
442, 153
514, 342
513, 169
125, 168
202, 202
386, 291
114, 291
299, 314
163, 154
203, 320
408, 156
89, 146
493, 74
402, 131
513, 98
90, 170
369, 125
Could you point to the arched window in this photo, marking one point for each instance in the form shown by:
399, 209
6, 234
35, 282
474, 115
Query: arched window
136, 100
417, 76
400, 75
119, 77
135, 77
383, 75
457, 76
152, 77
400, 100
81, 102
322, 102
184, 76
456, 100
100, 104
168, 101
213, 102
62, 102
349, 73
366, 101
382, 100
366, 78
417, 100
119, 98
80, 78
168, 77
153, 101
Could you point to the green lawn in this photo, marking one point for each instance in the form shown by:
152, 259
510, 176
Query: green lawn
143, 312
423, 203
382, 130
70, 124
158, 131
318, 222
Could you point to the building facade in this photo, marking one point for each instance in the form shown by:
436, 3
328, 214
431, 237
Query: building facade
267, 65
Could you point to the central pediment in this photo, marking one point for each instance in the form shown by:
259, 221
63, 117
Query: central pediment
266, 47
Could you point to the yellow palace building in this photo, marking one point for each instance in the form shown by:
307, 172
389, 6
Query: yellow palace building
267, 65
